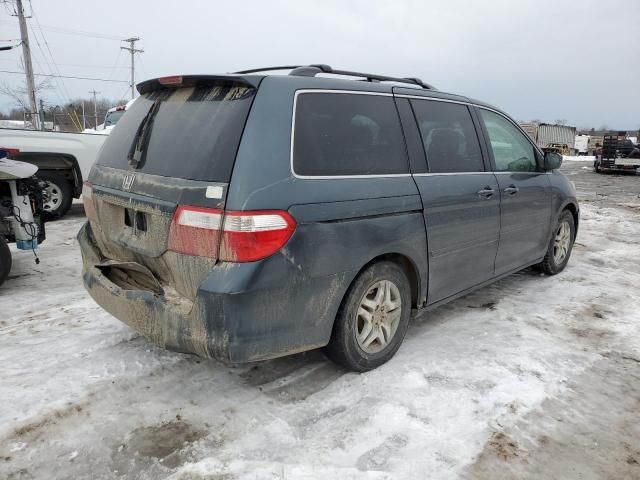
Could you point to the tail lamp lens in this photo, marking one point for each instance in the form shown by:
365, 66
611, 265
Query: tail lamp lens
196, 231
244, 236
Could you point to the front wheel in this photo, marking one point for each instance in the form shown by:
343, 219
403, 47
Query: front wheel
561, 245
373, 318
5, 260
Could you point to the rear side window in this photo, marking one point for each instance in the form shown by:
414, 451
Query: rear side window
449, 137
347, 134
190, 132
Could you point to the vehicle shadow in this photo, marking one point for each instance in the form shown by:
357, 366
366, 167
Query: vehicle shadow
295, 377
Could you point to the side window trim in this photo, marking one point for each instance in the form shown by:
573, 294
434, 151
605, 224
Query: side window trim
487, 157
413, 139
332, 177
536, 150
479, 137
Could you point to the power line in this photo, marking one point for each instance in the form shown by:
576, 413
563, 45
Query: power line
67, 76
70, 31
44, 39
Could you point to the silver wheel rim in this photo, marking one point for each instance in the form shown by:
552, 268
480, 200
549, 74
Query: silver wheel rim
562, 242
378, 316
53, 197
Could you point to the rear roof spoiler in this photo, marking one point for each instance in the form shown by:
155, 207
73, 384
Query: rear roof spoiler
177, 81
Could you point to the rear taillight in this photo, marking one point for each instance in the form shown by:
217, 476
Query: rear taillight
196, 231
230, 236
87, 201
249, 236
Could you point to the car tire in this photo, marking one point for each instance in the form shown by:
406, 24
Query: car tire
373, 318
60, 194
564, 234
5, 260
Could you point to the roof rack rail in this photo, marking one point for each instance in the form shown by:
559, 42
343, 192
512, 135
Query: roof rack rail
314, 69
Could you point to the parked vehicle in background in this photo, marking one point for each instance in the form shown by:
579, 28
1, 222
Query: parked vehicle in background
295, 211
63, 160
112, 117
581, 144
561, 148
546, 135
617, 153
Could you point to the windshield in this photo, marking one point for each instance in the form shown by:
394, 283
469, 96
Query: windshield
112, 118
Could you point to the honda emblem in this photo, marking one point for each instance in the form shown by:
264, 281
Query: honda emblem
127, 182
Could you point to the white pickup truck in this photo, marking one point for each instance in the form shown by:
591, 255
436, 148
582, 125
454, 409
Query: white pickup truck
63, 159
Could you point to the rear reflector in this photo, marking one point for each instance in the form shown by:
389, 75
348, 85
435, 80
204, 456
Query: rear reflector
87, 201
239, 236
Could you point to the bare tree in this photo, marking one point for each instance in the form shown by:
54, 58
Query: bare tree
19, 93
561, 121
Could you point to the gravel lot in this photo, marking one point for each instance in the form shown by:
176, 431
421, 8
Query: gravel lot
532, 377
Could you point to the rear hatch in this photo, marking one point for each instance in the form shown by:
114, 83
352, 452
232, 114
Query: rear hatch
175, 145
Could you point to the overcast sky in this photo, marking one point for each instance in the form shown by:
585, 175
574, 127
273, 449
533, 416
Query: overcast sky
540, 59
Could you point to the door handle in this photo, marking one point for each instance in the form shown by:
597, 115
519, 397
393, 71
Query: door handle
486, 192
511, 190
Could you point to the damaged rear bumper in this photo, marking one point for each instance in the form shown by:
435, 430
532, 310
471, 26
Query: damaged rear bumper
167, 320
234, 317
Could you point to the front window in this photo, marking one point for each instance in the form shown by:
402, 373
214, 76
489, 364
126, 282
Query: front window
512, 151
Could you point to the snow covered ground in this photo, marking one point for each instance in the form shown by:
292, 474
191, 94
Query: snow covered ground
578, 158
533, 376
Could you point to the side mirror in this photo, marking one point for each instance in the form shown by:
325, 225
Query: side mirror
552, 161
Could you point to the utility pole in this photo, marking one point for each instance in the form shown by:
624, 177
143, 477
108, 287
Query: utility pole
28, 68
132, 50
95, 107
41, 115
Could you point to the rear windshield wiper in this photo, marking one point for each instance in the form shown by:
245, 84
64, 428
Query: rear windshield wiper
138, 151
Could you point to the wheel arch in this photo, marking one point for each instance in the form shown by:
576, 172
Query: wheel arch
62, 162
575, 212
409, 267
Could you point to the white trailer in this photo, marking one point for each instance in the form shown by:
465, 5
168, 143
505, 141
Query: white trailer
582, 144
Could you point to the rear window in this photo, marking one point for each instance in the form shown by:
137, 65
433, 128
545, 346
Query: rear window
347, 134
190, 132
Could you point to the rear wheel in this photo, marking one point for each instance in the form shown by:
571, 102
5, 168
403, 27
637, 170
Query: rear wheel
5, 260
373, 318
58, 194
561, 245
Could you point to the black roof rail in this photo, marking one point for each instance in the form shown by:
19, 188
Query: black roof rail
314, 69
266, 69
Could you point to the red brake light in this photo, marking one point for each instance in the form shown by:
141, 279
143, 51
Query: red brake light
172, 80
240, 236
87, 201
196, 231
253, 235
